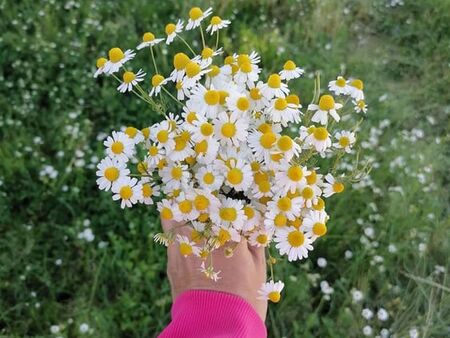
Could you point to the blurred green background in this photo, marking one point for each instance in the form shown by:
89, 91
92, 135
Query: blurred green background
73, 264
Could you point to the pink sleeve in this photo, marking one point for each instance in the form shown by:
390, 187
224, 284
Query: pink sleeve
202, 313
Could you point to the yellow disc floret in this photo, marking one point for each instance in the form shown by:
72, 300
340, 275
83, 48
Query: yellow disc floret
289, 65
148, 37
115, 54
235, 176
326, 102
296, 238
274, 81
321, 133
211, 97
111, 174
228, 129
195, 13
157, 80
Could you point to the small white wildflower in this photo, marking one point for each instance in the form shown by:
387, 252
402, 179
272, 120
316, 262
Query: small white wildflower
348, 254
413, 333
322, 262
357, 295
84, 328
367, 313
392, 248
382, 314
54, 329
367, 330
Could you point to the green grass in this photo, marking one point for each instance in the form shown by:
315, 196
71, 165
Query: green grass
52, 112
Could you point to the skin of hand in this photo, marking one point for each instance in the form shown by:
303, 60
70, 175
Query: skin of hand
241, 274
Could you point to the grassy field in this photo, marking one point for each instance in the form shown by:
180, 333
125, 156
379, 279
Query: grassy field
72, 260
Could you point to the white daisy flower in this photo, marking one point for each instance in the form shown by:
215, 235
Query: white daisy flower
288, 147
196, 16
218, 77
326, 106
345, 140
206, 150
254, 218
205, 101
314, 224
257, 101
133, 133
291, 71
238, 175
157, 82
205, 202
172, 30
117, 59
149, 190
162, 134
262, 187
180, 60
207, 55
274, 221
225, 234
130, 79
201, 129
119, 146
165, 208
360, 106
100, 64
339, 86
238, 103
262, 144
271, 291
231, 129
217, 24
148, 40
230, 214
260, 238
356, 89
291, 177
109, 171
127, 190
184, 207
208, 178
319, 138
175, 176
194, 71
209, 272
293, 243
182, 90
247, 73
332, 186
310, 196
183, 148
280, 110
187, 247
274, 87
155, 154
291, 207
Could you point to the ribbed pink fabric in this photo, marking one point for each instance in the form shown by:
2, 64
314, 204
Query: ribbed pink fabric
213, 314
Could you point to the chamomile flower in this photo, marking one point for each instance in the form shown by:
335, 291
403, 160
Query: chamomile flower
271, 291
230, 214
225, 234
175, 176
231, 129
119, 146
247, 73
238, 103
163, 135
148, 191
288, 147
180, 61
327, 106
280, 110
238, 175
182, 90
260, 238
165, 208
201, 129
182, 148
262, 187
148, 40
274, 87
187, 247
291, 207
332, 186
157, 82
184, 209
205, 202
205, 101
196, 16
339, 86
206, 150
314, 224
345, 140
209, 178
218, 77
257, 101
194, 71
254, 217
274, 221
319, 138
356, 89
172, 30
127, 190
217, 24
207, 55
100, 64
360, 106
155, 154
291, 177
109, 171
293, 243
291, 71
262, 144
117, 59
130, 80
310, 196
133, 133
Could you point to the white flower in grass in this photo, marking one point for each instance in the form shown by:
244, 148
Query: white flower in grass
247, 73
196, 16
356, 89
231, 129
130, 80
180, 60
367, 313
175, 176
149, 190
117, 59
287, 147
314, 224
293, 243
100, 64
382, 314
280, 110
194, 71
84, 328
163, 134
119, 146
184, 207
271, 291
148, 40
345, 140
360, 106
127, 190
332, 186
187, 247
309, 196
262, 144
183, 147
291, 71
109, 171
217, 24
172, 30
155, 154
327, 106
291, 177
367, 330
357, 295
274, 87
339, 86
260, 238
319, 138
157, 82
209, 178
204, 101
230, 214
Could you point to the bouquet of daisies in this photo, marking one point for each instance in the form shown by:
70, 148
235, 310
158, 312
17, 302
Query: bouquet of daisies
238, 158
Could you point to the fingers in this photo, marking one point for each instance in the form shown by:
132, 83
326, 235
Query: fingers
170, 224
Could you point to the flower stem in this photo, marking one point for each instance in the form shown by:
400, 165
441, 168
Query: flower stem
203, 37
187, 45
154, 61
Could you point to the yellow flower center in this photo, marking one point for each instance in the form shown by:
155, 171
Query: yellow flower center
153, 151
191, 117
207, 53
223, 236
265, 128
201, 147
111, 174
274, 81
142, 167
289, 65
249, 212
235, 176
128, 77
243, 58
255, 165
185, 249
115, 54
192, 69
228, 60
126, 192
176, 173
211, 97
296, 238
201, 202
326, 102
293, 99
157, 80
285, 143
295, 173
361, 104
264, 186
242, 104
213, 71
296, 223
208, 178
170, 28
284, 204
206, 129
203, 217
338, 187
228, 214
320, 205
320, 134
146, 132
274, 296
185, 206
216, 20
344, 141
162, 136
255, 94
117, 147
101, 62
223, 95
358, 84
228, 129
261, 239
195, 13
319, 229
180, 60
148, 37
340, 82
180, 143
147, 190
307, 193
246, 67
131, 132
280, 104
267, 140
280, 220
311, 178
166, 213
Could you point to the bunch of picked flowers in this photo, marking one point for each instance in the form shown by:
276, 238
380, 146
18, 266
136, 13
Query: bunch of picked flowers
238, 158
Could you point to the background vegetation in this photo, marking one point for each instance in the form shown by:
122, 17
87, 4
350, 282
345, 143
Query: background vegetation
73, 263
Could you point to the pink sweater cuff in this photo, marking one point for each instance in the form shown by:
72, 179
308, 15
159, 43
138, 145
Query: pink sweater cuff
203, 313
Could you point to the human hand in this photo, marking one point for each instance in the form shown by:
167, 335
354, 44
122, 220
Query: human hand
241, 274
